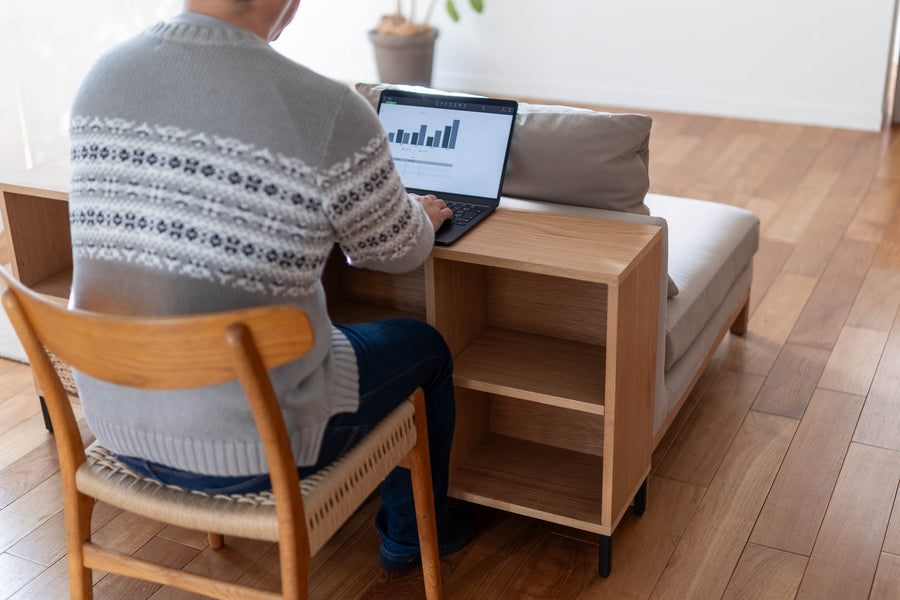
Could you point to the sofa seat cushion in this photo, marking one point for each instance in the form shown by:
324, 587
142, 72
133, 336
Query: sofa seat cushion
710, 244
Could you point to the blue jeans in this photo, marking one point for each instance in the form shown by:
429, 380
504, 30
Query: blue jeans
394, 358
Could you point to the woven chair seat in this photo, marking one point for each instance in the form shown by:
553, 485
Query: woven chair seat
329, 496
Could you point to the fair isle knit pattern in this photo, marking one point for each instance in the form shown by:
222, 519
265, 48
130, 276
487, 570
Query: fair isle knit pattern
223, 210
211, 173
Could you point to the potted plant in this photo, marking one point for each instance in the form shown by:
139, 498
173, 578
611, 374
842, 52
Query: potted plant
404, 46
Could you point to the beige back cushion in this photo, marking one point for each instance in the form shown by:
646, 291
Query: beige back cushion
581, 157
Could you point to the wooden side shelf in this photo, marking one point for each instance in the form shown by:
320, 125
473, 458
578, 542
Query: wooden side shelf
552, 323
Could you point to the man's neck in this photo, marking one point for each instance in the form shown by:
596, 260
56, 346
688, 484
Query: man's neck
244, 15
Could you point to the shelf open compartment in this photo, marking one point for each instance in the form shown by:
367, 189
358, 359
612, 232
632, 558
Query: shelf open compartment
529, 458
537, 368
39, 240
530, 372
358, 295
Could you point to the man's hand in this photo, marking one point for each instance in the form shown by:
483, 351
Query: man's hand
435, 208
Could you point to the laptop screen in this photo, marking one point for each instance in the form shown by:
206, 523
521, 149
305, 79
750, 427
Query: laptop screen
448, 144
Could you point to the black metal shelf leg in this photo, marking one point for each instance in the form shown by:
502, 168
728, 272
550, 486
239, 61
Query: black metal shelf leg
640, 499
605, 555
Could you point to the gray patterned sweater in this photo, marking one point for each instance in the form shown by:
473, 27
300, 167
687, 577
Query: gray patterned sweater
210, 173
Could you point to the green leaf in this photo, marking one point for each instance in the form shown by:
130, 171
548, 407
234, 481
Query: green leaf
451, 10
477, 5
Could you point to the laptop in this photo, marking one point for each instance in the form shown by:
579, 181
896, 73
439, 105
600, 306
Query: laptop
455, 147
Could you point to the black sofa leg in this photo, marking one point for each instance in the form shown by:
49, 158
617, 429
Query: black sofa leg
47, 422
605, 555
640, 499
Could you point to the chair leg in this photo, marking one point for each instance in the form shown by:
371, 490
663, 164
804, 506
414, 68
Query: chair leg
216, 540
423, 494
78, 512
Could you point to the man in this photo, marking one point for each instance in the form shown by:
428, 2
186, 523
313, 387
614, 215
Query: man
211, 173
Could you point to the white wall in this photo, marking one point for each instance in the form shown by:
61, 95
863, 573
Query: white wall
46, 47
807, 61
818, 62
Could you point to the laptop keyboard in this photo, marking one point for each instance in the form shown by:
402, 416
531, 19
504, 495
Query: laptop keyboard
464, 213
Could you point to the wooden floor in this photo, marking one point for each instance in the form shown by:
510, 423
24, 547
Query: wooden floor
778, 480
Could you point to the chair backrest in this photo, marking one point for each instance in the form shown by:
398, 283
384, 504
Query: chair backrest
157, 352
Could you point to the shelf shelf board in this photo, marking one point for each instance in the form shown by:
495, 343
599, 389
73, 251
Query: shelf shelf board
525, 478
536, 368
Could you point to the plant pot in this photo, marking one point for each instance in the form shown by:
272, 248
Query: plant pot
404, 59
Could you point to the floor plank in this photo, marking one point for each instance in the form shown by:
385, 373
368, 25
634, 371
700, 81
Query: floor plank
714, 540
469, 578
791, 382
805, 200
558, 568
888, 256
52, 583
887, 578
158, 550
46, 544
126, 532
767, 263
826, 310
879, 424
642, 545
878, 205
877, 301
706, 437
851, 366
770, 325
29, 511
846, 553
15, 573
795, 507
892, 539
766, 573
796, 173
817, 244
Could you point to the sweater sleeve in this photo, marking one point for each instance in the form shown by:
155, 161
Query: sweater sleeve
378, 225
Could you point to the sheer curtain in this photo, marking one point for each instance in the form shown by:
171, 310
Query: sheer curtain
45, 49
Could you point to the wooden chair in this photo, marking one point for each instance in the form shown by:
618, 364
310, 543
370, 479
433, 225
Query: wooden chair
181, 352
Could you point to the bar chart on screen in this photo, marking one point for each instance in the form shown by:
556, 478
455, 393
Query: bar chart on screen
441, 137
